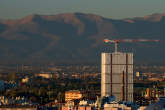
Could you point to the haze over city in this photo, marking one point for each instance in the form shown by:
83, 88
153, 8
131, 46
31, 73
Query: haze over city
82, 54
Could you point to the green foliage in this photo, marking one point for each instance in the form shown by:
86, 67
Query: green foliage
60, 97
12, 77
45, 90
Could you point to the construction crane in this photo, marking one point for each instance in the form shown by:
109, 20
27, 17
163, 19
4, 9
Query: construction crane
116, 41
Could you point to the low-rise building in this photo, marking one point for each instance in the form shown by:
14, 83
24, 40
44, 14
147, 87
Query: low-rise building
17, 100
117, 106
18, 108
25, 80
78, 108
142, 108
72, 95
45, 75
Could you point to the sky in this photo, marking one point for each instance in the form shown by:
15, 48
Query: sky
115, 9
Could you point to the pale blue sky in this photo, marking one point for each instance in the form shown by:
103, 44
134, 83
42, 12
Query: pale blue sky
116, 9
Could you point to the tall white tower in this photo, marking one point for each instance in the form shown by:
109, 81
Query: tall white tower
117, 71
117, 75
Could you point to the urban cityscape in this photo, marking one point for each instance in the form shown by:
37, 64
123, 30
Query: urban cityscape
82, 55
116, 84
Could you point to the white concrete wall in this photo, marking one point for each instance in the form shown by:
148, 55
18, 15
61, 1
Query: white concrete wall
118, 66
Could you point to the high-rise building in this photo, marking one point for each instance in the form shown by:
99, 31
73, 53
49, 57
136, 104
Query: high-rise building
117, 75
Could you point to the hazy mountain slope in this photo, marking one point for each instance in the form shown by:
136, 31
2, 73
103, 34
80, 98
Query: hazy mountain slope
76, 37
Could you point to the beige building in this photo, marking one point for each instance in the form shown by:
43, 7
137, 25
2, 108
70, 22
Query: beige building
72, 95
142, 108
116, 106
18, 108
25, 80
117, 75
45, 75
78, 108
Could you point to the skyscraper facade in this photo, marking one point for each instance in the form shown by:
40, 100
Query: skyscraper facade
117, 75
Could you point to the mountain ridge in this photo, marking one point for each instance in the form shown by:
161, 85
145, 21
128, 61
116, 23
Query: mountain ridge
76, 36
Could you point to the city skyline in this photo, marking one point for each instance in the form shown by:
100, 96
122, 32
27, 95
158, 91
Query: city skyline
82, 55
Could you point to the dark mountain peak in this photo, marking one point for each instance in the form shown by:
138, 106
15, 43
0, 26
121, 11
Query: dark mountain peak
67, 17
64, 17
75, 36
129, 20
27, 19
156, 17
30, 19
71, 18
89, 16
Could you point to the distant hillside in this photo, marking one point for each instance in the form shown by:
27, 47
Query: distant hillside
78, 37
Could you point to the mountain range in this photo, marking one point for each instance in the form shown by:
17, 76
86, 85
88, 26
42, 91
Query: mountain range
78, 37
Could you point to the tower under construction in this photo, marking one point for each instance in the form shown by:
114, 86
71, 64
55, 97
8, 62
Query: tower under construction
117, 71
117, 75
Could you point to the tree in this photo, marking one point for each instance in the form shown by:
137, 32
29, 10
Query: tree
33, 99
13, 93
60, 97
42, 91
12, 76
